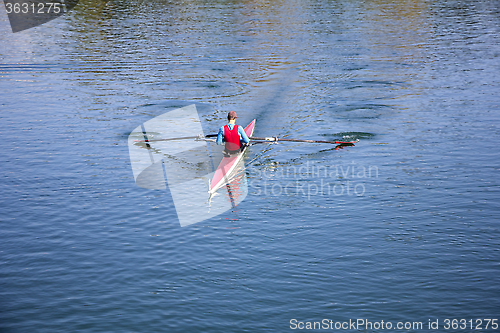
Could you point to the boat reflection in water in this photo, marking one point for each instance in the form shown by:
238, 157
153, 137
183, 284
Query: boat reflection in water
236, 185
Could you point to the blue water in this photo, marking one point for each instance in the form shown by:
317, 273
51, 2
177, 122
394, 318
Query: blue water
84, 249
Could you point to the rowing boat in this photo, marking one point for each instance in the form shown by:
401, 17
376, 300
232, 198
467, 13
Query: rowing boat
226, 168
183, 164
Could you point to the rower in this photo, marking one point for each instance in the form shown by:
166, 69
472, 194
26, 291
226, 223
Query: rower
232, 135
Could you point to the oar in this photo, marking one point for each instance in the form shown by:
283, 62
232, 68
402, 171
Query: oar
267, 139
276, 139
200, 137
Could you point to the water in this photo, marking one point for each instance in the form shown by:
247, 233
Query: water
84, 249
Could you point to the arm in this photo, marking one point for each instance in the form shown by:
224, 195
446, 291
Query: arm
243, 135
220, 136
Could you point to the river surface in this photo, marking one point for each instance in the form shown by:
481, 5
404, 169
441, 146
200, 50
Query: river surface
401, 228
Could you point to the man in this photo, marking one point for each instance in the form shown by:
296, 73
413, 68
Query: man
232, 135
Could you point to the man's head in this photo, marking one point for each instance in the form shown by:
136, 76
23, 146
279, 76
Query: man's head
231, 115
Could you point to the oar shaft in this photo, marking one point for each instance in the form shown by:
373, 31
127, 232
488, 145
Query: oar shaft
181, 138
275, 139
